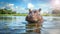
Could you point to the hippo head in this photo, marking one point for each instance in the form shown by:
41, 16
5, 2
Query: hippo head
33, 15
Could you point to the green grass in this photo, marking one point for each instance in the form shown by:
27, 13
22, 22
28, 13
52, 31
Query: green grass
47, 14
13, 14
26, 15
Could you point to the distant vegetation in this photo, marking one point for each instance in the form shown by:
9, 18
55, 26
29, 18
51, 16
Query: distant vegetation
56, 12
9, 12
6, 11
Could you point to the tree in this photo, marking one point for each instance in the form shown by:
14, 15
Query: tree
6, 11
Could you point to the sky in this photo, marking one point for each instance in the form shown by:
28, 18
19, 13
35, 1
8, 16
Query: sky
21, 6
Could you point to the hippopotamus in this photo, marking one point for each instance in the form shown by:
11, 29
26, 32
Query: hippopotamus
36, 19
34, 16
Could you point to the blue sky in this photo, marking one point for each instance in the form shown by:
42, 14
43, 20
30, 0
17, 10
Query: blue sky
21, 5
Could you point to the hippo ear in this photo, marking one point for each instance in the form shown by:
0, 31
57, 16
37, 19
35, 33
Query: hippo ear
39, 9
30, 10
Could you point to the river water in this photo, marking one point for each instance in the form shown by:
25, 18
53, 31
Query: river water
18, 25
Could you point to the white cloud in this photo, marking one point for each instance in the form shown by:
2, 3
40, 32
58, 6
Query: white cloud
8, 6
30, 6
20, 9
11, 6
45, 7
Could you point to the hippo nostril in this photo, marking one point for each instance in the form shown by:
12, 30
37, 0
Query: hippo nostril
31, 16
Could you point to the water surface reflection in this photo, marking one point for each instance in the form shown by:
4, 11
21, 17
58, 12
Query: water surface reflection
18, 25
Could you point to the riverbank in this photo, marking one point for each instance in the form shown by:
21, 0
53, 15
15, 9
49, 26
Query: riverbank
25, 15
13, 14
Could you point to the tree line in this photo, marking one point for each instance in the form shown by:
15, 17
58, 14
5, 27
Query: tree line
7, 11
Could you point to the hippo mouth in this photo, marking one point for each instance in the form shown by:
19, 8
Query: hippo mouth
33, 21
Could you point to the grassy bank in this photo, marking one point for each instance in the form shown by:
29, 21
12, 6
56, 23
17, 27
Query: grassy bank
13, 14
25, 15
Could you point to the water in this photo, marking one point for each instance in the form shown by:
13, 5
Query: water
18, 25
